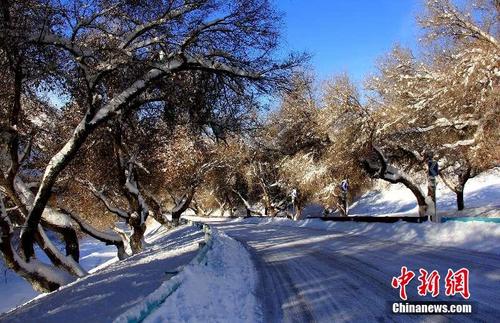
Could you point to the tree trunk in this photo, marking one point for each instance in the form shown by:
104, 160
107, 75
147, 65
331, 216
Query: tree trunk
70, 239
383, 170
107, 238
417, 192
182, 206
297, 206
138, 227
462, 180
136, 239
56, 165
66, 154
42, 277
460, 200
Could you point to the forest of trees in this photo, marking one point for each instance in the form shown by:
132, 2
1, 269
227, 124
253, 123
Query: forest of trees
166, 106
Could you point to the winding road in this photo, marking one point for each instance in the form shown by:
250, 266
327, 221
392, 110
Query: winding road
305, 275
309, 275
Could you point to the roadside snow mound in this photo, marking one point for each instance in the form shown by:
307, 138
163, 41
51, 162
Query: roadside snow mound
477, 236
218, 283
387, 199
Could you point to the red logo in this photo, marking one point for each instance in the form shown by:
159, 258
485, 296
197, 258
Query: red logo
403, 280
456, 282
428, 283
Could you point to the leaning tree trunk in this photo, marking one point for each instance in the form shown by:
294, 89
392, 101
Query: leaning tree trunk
42, 277
458, 189
383, 170
108, 238
462, 180
182, 206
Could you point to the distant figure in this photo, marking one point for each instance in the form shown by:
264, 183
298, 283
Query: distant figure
293, 195
344, 188
433, 167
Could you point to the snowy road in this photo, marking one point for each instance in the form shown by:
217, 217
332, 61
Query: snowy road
309, 275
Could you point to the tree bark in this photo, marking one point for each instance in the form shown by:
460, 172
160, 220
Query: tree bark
382, 170
138, 229
462, 180
35, 273
460, 200
107, 238
183, 205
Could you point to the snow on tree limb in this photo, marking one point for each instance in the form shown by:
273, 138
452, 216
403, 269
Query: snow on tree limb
167, 16
43, 277
107, 237
107, 202
459, 143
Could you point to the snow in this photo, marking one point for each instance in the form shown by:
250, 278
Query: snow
481, 191
223, 281
92, 254
219, 283
482, 198
107, 293
477, 236
58, 218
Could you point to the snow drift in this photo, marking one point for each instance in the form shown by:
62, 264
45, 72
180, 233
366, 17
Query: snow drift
219, 283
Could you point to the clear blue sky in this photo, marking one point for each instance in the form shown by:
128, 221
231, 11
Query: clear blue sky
348, 35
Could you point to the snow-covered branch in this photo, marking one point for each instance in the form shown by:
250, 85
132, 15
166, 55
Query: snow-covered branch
166, 17
109, 238
248, 207
380, 168
468, 142
107, 202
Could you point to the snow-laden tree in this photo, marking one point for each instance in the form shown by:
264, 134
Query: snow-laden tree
466, 58
447, 102
292, 132
108, 58
224, 182
312, 145
178, 168
349, 126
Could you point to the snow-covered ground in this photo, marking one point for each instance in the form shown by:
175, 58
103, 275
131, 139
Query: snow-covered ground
106, 294
218, 284
481, 192
478, 236
92, 254
229, 262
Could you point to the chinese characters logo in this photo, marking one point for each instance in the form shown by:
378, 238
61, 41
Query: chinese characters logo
456, 282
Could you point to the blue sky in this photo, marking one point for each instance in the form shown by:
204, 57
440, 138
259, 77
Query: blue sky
348, 35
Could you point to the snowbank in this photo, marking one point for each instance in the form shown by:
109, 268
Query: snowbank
219, 283
482, 191
477, 236
93, 254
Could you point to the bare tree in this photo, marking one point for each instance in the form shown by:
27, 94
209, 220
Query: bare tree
115, 57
